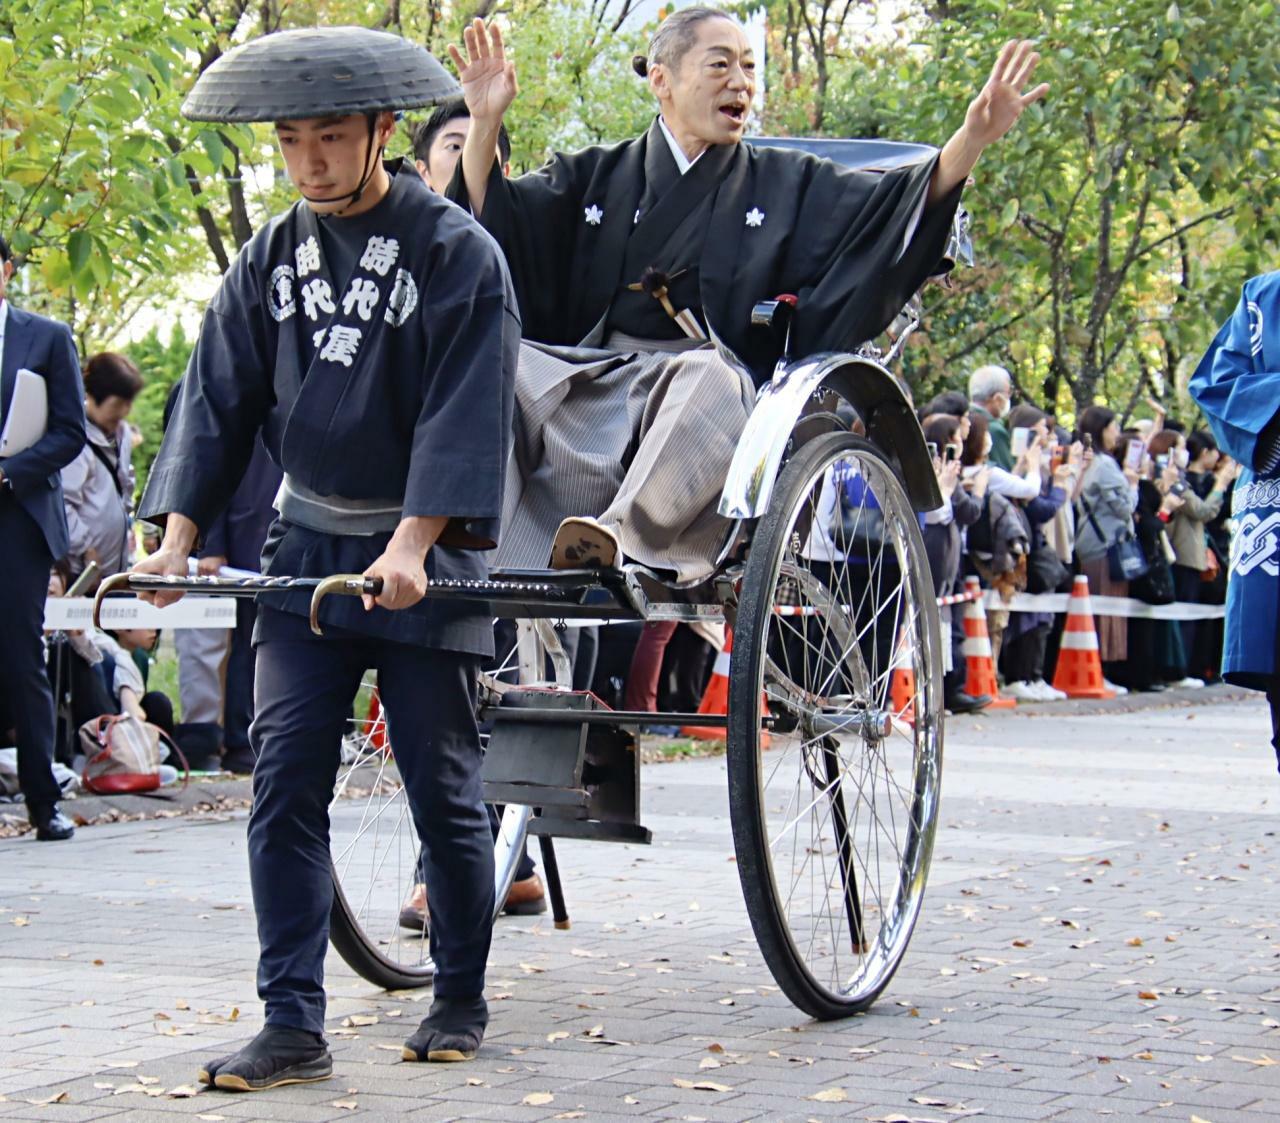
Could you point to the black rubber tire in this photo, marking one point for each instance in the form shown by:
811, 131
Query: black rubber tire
351, 942
744, 751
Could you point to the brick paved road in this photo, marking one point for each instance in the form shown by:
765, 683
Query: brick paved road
1085, 862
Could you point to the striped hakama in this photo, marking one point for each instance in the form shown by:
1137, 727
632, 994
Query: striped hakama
639, 435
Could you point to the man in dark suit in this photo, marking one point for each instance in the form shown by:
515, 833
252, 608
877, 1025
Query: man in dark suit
33, 528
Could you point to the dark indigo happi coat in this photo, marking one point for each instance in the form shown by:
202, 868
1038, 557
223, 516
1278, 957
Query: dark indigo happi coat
743, 224
1237, 386
392, 384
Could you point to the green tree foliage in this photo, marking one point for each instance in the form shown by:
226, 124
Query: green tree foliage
112, 200
90, 196
161, 364
1115, 224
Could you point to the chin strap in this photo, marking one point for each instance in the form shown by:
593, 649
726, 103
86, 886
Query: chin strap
353, 197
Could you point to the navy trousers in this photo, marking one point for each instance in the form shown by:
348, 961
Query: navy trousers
304, 688
25, 682
237, 706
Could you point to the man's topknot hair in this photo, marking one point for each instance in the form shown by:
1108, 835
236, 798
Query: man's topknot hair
674, 36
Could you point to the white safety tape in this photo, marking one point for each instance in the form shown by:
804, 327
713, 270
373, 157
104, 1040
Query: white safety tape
74, 613
1106, 606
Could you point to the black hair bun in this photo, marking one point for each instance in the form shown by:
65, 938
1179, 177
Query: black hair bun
640, 65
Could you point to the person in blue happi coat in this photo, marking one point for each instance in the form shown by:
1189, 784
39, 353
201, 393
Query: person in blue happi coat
1237, 386
369, 334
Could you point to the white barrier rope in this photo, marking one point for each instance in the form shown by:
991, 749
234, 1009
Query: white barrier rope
1106, 606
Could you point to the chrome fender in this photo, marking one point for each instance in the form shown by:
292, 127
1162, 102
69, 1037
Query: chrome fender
873, 392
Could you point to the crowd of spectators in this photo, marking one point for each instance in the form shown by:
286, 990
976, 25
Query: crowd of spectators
1029, 505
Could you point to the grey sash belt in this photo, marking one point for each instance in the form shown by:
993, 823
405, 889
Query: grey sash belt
335, 514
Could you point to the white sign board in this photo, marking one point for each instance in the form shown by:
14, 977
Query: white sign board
72, 613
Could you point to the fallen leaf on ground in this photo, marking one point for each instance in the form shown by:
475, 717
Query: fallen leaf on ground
701, 1085
183, 1091
361, 1020
538, 1099
830, 1096
1261, 1061
1148, 996
899, 1118
170, 1029
56, 1098
346, 1105
559, 1035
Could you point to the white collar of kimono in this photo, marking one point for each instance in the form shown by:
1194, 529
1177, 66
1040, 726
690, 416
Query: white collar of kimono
682, 161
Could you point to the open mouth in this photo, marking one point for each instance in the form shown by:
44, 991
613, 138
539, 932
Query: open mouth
737, 114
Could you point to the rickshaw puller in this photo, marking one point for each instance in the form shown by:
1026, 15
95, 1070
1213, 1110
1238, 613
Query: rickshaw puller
370, 333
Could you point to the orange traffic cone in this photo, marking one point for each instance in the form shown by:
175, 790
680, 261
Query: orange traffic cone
1079, 670
715, 699
979, 664
902, 687
377, 725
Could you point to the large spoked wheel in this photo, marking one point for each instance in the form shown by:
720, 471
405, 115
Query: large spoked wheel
834, 810
375, 865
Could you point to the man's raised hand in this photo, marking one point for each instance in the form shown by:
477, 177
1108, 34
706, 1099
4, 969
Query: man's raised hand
488, 77
997, 108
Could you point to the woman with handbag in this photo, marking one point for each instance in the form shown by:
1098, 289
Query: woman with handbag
1104, 528
1027, 633
962, 505
1190, 544
1155, 646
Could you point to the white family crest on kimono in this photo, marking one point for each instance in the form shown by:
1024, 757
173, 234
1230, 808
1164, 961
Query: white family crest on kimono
280, 298
594, 214
403, 299
755, 217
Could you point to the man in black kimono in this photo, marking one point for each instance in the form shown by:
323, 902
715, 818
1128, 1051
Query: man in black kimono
370, 335
628, 258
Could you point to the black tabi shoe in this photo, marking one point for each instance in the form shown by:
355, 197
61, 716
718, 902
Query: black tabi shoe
51, 824
452, 1031
278, 1055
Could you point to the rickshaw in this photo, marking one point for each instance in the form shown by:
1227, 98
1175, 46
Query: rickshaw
833, 788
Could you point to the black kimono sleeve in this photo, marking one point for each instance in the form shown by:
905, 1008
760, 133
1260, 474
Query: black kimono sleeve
534, 218
462, 437
849, 258
225, 396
